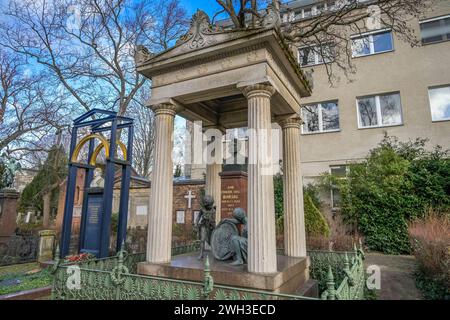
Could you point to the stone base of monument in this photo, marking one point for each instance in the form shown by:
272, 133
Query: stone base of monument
291, 278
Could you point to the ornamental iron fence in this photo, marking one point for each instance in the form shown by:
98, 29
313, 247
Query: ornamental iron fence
115, 278
18, 249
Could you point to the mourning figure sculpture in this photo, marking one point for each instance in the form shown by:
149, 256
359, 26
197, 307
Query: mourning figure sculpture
11, 166
227, 242
205, 223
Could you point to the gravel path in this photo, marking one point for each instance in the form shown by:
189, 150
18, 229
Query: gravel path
397, 276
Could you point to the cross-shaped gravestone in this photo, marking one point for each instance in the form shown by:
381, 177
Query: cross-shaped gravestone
189, 197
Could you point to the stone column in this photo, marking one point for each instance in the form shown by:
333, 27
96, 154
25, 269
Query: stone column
214, 186
262, 254
294, 217
159, 241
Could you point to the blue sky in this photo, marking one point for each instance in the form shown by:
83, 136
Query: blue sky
209, 6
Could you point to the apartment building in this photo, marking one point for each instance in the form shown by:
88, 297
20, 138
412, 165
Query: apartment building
397, 90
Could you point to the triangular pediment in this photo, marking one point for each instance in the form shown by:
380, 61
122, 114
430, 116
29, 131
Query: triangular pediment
202, 34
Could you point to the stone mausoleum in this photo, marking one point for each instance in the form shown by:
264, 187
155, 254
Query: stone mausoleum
230, 79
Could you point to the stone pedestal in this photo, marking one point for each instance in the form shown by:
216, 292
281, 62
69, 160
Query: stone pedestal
8, 211
234, 192
161, 198
290, 276
46, 245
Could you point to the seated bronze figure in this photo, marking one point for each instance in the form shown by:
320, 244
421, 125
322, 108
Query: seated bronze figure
227, 242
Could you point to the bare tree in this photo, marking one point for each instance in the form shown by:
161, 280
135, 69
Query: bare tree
172, 23
29, 110
88, 45
239, 11
327, 31
143, 141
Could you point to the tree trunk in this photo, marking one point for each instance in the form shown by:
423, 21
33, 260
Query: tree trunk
46, 220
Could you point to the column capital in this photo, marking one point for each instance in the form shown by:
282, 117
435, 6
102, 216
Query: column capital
165, 108
291, 122
259, 89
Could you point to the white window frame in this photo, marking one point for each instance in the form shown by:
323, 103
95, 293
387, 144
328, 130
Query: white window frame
431, 20
316, 56
429, 99
370, 35
319, 110
378, 109
347, 170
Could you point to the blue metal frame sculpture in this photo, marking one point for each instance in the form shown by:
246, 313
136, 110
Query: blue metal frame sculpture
104, 121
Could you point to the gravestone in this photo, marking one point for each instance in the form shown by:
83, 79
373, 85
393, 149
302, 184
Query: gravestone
234, 192
46, 245
8, 211
91, 236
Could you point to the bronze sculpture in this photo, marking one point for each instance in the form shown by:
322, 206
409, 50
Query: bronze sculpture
227, 242
205, 223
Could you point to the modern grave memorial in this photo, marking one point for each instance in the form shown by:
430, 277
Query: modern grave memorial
229, 79
105, 130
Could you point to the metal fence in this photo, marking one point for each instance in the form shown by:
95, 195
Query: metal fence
115, 278
18, 249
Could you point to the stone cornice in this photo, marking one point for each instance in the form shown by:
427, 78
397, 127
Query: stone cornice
212, 58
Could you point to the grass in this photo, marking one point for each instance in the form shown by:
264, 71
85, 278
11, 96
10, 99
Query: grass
28, 280
18, 268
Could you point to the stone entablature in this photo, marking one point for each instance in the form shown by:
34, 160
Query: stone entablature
204, 74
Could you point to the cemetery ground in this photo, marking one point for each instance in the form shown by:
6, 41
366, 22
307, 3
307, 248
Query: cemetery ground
397, 277
23, 277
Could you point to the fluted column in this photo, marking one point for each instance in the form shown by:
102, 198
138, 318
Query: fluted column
214, 186
294, 217
161, 198
262, 255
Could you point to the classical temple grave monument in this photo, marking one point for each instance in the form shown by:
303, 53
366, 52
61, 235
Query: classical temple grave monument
229, 79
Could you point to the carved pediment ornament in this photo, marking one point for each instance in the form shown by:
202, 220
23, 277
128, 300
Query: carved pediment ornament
142, 54
198, 34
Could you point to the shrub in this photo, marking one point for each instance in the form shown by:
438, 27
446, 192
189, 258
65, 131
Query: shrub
315, 223
396, 183
430, 240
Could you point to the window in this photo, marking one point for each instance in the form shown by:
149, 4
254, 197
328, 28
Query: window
435, 30
313, 55
440, 103
372, 43
321, 117
307, 12
379, 111
339, 172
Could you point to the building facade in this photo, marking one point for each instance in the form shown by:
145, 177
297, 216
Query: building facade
397, 90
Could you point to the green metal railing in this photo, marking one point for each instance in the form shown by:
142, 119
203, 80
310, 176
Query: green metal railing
115, 278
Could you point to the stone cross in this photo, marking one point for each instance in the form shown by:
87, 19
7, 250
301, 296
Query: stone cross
189, 196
